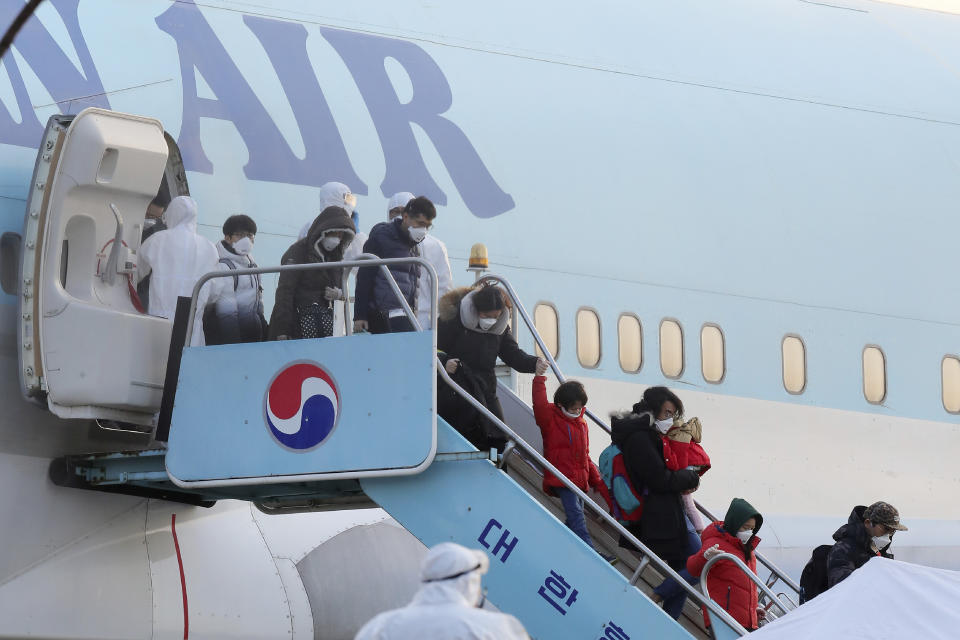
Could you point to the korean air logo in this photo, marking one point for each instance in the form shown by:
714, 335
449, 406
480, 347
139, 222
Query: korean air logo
302, 406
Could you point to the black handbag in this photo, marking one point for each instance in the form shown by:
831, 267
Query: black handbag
316, 321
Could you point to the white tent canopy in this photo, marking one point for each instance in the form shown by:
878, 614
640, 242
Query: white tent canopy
882, 600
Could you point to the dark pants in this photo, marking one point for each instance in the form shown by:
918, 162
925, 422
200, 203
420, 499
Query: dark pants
400, 324
573, 507
672, 593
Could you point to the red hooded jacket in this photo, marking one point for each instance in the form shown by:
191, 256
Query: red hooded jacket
566, 443
728, 585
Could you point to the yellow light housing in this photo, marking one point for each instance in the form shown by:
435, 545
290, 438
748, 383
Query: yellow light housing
478, 256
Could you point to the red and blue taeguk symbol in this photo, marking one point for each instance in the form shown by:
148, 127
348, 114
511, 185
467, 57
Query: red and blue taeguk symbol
302, 406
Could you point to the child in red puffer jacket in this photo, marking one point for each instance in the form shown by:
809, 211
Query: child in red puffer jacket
566, 446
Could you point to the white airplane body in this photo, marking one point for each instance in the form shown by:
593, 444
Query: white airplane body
773, 169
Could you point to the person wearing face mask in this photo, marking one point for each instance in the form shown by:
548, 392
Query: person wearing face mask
473, 330
433, 251
175, 259
729, 586
868, 533
237, 313
448, 604
377, 308
566, 445
303, 306
639, 435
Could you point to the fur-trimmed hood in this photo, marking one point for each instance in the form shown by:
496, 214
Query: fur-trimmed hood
459, 302
625, 424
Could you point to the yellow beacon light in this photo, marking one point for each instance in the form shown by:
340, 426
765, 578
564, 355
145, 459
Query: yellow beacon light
479, 261
478, 257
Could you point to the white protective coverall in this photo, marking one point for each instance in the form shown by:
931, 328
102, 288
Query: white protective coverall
177, 257
433, 251
445, 607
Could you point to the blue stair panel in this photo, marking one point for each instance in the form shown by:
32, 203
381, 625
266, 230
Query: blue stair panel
335, 407
539, 570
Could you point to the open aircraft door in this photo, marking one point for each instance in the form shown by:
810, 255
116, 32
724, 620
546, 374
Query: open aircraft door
87, 347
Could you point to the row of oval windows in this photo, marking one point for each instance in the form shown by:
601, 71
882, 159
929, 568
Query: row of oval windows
713, 356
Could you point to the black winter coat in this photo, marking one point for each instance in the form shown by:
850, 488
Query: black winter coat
478, 349
852, 549
373, 294
662, 525
300, 289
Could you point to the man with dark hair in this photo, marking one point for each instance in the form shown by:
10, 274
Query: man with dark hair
237, 314
377, 307
868, 533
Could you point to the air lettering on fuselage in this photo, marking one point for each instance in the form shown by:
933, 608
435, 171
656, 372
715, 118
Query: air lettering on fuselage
270, 157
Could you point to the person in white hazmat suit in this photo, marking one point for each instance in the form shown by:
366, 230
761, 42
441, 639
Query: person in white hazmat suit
446, 607
177, 257
433, 251
337, 194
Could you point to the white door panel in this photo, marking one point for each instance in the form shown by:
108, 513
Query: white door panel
84, 342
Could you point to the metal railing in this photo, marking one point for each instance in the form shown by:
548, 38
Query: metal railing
775, 572
647, 556
365, 260
774, 598
518, 309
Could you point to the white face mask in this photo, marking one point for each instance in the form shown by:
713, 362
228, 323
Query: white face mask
745, 535
243, 246
417, 234
487, 323
881, 541
330, 243
570, 414
664, 425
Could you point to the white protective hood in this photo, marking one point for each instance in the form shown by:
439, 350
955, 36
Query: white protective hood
882, 600
445, 606
175, 259
332, 194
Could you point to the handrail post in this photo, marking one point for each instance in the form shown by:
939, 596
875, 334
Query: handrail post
664, 568
743, 567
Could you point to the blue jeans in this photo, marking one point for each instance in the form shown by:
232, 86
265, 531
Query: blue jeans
674, 596
573, 507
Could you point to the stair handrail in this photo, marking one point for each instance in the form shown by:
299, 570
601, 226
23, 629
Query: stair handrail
723, 555
518, 306
774, 569
647, 555
365, 260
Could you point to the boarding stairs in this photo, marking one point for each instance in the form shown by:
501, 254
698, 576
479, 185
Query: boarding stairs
351, 422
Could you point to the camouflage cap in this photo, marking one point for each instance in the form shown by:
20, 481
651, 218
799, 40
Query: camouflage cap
884, 513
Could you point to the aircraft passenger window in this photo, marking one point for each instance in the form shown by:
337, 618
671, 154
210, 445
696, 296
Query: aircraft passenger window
874, 375
630, 339
9, 262
671, 348
588, 338
950, 379
794, 364
712, 356
545, 320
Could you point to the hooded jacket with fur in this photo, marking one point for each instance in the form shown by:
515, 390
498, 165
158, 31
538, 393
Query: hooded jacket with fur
300, 289
459, 336
662, 525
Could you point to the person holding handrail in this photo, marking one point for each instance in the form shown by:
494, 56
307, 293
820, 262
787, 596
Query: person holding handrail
473, 329
303, 307
566, 445
728, 585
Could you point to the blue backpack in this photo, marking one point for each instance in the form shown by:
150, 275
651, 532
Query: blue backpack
627, 502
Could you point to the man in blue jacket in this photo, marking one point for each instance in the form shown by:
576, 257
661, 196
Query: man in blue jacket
377, 308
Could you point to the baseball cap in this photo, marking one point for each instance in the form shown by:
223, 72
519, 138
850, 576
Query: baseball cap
884, 513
